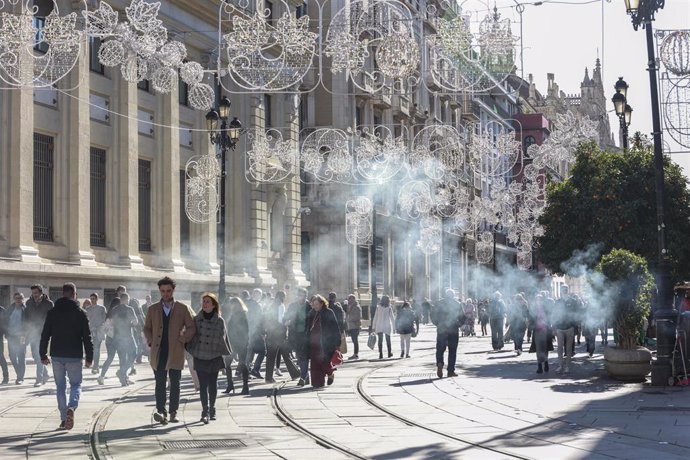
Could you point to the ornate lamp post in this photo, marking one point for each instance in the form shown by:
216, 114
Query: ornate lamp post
225, 135
642, 13
623, 110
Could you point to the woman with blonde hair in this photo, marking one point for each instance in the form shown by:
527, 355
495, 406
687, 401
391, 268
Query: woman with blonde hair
324, 340
208, 353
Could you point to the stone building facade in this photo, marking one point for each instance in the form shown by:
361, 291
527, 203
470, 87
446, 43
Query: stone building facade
92, 181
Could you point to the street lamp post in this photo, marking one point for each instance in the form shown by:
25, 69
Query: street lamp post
225, 135
642, 13
623, 110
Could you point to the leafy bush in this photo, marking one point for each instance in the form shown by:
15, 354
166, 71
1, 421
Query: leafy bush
627, 274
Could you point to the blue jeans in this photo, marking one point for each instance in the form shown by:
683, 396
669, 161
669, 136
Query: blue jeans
17, 351
41, 370
64, 368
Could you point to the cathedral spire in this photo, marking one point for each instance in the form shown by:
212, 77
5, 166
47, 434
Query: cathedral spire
586, 80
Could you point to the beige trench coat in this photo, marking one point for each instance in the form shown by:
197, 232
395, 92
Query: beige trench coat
181, 320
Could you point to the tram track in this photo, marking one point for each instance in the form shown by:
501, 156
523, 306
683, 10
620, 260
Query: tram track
101, 419
290, 421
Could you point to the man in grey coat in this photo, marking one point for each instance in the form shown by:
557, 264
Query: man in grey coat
96, 314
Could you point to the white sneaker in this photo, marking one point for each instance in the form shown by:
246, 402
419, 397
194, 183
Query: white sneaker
559, 370
278, 373
101, 380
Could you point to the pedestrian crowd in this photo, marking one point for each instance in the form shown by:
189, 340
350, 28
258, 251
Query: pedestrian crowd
306, 335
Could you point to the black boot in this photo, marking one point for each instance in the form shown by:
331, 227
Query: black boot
231, 386
212, 413
245, 380
539, 369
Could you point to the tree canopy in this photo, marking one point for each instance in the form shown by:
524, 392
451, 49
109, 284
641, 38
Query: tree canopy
610, 201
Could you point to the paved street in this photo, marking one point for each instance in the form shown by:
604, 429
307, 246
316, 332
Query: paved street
497, 408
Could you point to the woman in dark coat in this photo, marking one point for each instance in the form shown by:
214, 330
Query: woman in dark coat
324, 339
208, 347
238, 334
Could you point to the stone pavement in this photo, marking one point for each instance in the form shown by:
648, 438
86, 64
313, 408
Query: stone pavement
498, 407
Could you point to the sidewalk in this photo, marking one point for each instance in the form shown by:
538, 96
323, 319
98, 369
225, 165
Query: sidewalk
498, 402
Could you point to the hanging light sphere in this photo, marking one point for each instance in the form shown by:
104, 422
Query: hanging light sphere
675, 52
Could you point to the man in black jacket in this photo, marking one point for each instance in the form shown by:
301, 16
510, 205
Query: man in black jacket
67, 329
447, 315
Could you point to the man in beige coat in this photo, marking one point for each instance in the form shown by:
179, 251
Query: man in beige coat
169, 325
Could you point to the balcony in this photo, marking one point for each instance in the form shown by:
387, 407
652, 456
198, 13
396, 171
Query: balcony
383, 98
470, 110
401, 104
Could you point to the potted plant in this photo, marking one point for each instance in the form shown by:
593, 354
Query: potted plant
629, 287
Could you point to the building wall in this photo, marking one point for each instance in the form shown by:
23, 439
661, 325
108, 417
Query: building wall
140, 125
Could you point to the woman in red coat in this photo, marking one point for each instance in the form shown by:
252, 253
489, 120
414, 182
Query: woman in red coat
324, 339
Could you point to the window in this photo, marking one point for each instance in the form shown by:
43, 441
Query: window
185, 225
39, 24
268, 6
529, 140
301, 10
144, 85
378, 243
183, 92
54, 293
108, 296
5, 299
267, 111
303, 112
362, 266
94, 64
306, 255
359, 117
43, 187
144, 206
97, 197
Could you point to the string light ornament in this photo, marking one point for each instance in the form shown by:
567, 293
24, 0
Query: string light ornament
414, 199
461, 60
33, 57
141, 48
674, 53
202, 188
270, 158
264, 55
494, 154
325, 156
375, 39
484, 247
430, 235
451, 198
437, 150
358, 221
379, 155
569, 130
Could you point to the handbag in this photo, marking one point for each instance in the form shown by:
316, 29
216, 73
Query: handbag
343, 343
371, 341
336, 359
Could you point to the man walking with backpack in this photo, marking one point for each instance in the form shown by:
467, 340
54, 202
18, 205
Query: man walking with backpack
66, 329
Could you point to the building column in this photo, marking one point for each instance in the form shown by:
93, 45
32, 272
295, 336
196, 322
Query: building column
126, 172
77, 155
203, 236
292, 248
18, 126
168, 168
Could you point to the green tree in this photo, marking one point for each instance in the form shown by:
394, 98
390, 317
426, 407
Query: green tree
610, 201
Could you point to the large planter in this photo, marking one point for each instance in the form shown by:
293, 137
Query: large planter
628, 365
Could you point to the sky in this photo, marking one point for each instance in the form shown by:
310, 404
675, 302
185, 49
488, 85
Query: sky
565, 36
